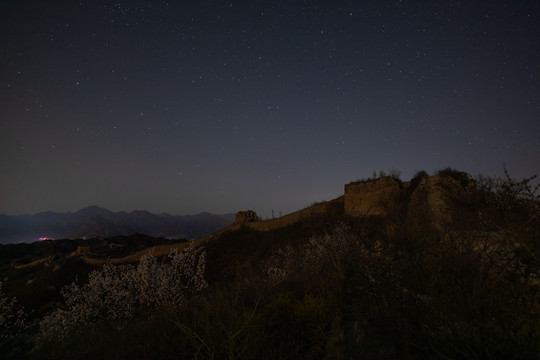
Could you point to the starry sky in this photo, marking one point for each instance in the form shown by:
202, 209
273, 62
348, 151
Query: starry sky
221, 106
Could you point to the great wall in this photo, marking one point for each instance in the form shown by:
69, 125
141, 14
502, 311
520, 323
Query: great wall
436, 200
434, 197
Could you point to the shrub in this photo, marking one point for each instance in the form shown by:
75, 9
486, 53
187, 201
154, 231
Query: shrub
395, 174
450, 172
510, 201
12, 317
420, 174
469, 294
118, 292
13, 328
332, 253
167, 285
281, 264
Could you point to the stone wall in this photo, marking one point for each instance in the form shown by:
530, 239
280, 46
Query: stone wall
246, 217
443, 199
437, 200
373, 197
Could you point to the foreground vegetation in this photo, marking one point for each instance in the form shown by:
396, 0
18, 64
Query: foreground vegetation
328, 287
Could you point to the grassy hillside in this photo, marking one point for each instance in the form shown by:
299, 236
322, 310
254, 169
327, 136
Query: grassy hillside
461, 284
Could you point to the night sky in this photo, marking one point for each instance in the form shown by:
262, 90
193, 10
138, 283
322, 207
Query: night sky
190, 106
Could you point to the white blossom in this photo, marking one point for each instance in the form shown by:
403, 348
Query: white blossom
12, 317
281, 264
118, 291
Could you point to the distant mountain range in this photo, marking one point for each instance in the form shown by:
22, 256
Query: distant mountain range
95, 221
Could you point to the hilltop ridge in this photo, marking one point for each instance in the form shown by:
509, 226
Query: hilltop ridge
390, 269
433, 196
432, 201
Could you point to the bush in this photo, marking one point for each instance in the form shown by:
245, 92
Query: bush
454, 295
358, 290
12, 317
323, 256
13, 328
119, 292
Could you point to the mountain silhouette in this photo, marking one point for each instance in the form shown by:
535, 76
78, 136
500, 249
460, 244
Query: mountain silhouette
94, 221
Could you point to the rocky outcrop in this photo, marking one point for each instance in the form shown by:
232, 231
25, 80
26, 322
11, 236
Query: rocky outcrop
246, 217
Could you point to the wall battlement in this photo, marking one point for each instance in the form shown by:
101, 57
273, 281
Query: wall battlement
442, 198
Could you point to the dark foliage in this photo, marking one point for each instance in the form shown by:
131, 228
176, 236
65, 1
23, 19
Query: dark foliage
333, 287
